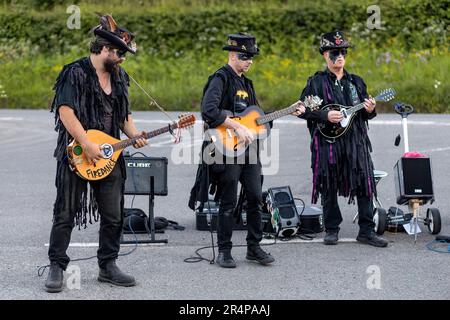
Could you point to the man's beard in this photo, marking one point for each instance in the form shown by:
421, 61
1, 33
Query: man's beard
111, 66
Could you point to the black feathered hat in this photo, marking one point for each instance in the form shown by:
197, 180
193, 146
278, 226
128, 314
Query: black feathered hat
118, 37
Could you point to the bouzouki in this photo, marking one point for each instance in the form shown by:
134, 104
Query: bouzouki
335, 130
111, 148
228, 143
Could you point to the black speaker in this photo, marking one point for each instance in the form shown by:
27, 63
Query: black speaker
413, 180
139, 172
281, 205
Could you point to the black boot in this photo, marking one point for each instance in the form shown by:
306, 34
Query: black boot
258, 254
331, 237
54, 282
112, 274
225, 260
372, 239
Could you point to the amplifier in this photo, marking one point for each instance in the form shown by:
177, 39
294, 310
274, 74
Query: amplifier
204, 220
311, 219
413, 180
139, 172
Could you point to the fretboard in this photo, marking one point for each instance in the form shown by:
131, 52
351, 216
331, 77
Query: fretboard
355, 108
147, 135
275, 115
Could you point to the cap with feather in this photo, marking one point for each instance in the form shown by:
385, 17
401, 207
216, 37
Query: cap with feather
117, 36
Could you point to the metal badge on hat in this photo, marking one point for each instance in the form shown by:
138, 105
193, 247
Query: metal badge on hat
338, 38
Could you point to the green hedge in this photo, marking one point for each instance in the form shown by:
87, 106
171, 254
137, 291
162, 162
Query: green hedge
178, 49
417, 24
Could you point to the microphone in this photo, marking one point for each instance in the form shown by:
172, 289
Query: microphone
397, 140
403, 108
399, 107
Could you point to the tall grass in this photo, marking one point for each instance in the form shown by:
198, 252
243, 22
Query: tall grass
420, 77
179, 51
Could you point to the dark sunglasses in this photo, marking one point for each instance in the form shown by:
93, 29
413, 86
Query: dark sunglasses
119, 52
337, 52
245, 56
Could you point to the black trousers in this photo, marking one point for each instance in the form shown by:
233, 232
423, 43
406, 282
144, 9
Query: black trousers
109, 196
333, 217
250, 177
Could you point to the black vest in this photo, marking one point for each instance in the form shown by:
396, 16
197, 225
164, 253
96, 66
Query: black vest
229, 92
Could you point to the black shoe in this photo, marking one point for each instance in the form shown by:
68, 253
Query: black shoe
225, 260
258, 254
373, 239
54, 282
331, 237
112, 274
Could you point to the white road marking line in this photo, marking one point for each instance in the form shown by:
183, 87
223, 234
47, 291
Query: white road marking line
410, 122
302, 122
296, 240
280, 121
95, 244
379, 122
151, 121
264, 241
11, 119
436, 150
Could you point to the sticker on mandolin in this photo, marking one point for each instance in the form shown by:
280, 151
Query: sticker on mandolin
98, 173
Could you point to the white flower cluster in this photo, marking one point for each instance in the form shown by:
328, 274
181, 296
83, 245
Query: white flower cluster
2, 92
437, 83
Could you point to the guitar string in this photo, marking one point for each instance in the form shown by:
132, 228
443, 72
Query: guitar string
153, 101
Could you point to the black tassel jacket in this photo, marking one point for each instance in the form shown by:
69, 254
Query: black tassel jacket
78, 87
344, 165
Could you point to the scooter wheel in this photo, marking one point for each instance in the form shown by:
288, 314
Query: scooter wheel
381, 220
433, 220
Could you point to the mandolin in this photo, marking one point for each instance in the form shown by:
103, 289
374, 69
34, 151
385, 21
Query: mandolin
335, 130
111, 148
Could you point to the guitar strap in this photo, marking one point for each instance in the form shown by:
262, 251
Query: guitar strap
354, 94
224, 78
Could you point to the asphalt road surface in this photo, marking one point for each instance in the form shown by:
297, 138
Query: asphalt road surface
303, 269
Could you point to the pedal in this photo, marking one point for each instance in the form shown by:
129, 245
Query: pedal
443, 238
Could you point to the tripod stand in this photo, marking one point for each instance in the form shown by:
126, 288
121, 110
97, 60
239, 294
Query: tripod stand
151, 219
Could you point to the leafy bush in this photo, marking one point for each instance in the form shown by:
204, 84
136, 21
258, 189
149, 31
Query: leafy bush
179, 45
415, 24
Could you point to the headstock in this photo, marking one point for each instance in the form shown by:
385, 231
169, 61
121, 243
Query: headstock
312, 102
185, 121
385, 95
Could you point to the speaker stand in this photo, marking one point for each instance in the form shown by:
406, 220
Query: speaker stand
151, 215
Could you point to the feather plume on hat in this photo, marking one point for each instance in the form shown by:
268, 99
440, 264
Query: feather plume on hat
109, 29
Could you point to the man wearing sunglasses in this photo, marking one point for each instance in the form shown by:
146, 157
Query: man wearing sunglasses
341, 166
92, 93
229, 89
